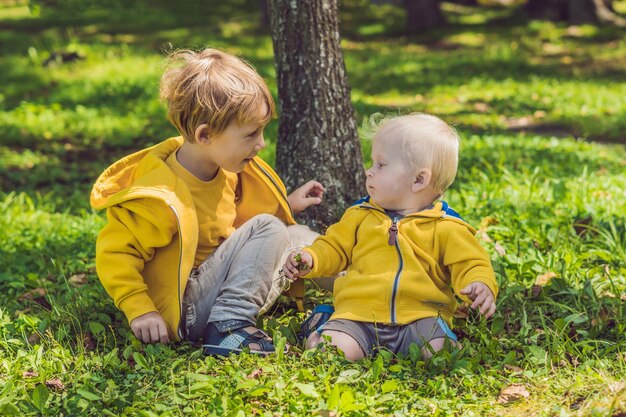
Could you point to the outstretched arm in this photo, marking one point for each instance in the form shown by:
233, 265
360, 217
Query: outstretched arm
309, 194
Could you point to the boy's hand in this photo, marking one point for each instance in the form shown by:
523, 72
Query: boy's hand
307, 195
150, 328
481, 296
297, 263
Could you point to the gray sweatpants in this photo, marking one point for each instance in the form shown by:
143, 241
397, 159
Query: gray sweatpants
234, 281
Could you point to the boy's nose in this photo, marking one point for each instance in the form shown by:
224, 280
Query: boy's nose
261, 143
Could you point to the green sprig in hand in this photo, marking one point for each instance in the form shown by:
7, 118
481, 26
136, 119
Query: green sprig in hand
297, 264
302, 265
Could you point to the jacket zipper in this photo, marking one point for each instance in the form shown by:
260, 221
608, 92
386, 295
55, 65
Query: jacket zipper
284, 196
180, 261
393, 240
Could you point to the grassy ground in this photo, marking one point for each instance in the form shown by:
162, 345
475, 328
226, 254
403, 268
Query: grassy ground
540, 107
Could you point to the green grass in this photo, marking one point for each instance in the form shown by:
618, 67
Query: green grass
541, 112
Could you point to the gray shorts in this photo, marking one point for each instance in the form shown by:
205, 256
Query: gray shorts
397, 339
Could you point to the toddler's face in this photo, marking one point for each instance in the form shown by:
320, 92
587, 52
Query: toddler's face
389, 179
233, 148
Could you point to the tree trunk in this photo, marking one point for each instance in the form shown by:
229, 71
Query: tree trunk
265, 14
318, 136
422, 15
574, 11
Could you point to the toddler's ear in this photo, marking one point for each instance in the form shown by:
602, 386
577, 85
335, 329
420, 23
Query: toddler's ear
422, 180
202, 134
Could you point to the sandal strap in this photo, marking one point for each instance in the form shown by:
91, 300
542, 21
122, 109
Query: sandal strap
319, 316
235, 341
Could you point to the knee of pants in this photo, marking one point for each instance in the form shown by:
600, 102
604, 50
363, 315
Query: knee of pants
271, 223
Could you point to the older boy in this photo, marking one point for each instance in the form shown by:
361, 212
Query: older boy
196, 224
402, 248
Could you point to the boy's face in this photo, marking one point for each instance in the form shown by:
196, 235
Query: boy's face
390, 178
233, 148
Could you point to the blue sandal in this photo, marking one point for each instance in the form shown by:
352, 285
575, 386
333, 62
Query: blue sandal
236, 341
315, 321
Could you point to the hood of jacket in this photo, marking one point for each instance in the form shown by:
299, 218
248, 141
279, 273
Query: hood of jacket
439, 210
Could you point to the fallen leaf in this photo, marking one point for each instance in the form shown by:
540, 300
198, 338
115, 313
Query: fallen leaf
462, 311
483, 236
485, 222
481, 107
545, 279
535, 291
78, 279
500, 249
30, 374
32, 294
34, 338
55, 383
513, 393
572, 359
88, 342
575, 31
616, 387
519, 122
513, 368
255, 374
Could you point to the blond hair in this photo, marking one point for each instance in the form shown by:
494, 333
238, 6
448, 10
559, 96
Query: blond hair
426, 142
212, 87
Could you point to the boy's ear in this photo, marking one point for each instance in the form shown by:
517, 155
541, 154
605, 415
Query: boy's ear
202, 134
422, 180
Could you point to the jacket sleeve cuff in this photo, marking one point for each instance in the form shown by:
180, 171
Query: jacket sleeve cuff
136, 305
316, 265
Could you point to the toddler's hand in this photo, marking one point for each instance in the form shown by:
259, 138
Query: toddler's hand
481, 296
297, 263
150, 328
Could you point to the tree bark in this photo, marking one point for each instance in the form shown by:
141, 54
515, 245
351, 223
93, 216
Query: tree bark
422, 15
265, 14
575, 11
318, 137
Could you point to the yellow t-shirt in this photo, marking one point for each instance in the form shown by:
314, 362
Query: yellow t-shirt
215, 206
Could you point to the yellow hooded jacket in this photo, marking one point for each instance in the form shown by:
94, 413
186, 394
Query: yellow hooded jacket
144, 265
400, 269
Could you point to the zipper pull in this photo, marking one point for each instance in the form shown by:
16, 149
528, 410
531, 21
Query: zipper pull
393, 232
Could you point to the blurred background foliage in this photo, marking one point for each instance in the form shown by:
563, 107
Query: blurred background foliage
80, 78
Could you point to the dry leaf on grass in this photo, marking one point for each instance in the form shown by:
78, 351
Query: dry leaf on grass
55, 383
255, 374
535, 291
32, 294
513, 393
34, 338
513, 368
78, 279
483, 236
462, 311
500, 249
545, 279
30, 374
88, 342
